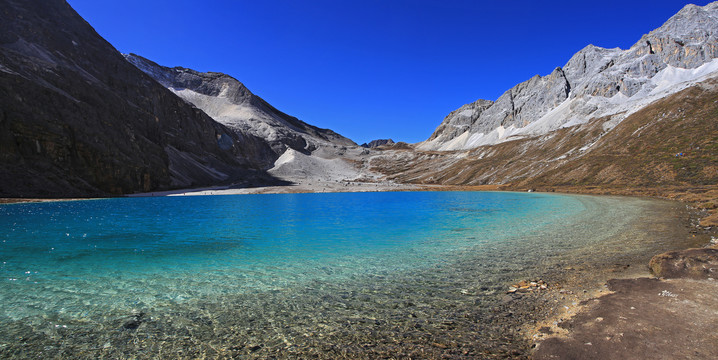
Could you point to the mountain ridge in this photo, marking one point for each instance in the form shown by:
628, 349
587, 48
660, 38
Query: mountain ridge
231, 103
595, 82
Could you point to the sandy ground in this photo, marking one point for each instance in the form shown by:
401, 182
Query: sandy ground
641, 316
314, 187
309, 187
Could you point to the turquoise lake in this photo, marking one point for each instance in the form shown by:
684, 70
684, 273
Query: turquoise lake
265, 275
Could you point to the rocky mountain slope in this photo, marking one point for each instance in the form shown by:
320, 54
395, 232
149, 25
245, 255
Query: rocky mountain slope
301, 153
77, 119
595, 83
672, 142
229, 102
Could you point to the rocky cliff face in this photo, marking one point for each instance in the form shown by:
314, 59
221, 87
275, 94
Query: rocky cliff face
594, 83
76, 119
376, 143
229, 102
460, 120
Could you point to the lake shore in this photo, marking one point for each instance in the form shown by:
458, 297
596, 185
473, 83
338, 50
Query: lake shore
318, 187
640, 316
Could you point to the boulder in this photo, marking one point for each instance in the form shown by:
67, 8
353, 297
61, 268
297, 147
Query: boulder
690, 263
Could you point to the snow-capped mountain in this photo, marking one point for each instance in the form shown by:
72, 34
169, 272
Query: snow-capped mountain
594, 83
229, 102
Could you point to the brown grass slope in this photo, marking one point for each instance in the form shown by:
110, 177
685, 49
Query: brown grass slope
642, 151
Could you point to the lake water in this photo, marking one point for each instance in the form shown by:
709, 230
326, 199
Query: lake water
350, 275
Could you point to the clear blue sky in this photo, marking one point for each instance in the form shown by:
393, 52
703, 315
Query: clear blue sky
372, 68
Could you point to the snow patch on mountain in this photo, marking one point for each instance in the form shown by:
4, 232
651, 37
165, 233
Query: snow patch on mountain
667, 78
577, 111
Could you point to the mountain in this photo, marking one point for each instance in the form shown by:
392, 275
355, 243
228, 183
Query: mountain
77, 119
229, 102
610, 118
594, 83
376, 143
672, 142
300, 153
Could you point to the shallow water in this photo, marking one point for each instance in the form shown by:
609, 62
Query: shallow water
356, 275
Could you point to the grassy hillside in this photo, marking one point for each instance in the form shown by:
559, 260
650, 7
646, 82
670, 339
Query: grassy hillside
673, 142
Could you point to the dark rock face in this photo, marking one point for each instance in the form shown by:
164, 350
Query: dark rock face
690, 263
76, 119
378, 142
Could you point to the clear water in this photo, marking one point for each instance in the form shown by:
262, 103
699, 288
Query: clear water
93, 262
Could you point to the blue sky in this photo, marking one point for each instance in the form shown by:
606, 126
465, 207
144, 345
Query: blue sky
372, 68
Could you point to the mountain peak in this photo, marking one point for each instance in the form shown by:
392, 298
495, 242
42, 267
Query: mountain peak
228, 101
595, 82
179, 78
687, 39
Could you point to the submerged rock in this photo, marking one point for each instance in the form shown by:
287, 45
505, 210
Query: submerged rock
133, 322
690, 263
524, 286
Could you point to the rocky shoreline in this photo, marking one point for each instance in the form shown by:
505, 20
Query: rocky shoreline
665, 315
